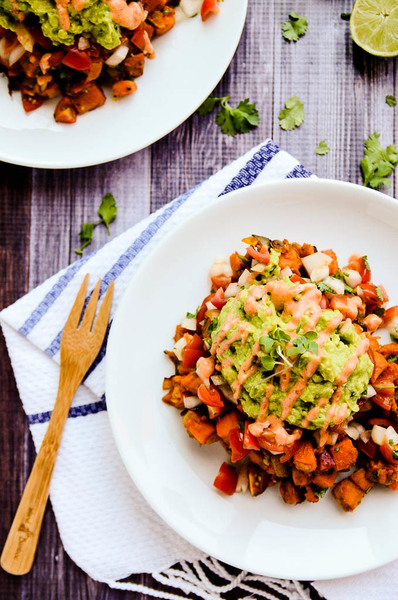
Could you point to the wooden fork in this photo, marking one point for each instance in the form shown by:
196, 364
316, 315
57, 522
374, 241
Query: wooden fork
79, 348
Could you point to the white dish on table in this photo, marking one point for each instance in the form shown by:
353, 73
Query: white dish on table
190, 61
262, 535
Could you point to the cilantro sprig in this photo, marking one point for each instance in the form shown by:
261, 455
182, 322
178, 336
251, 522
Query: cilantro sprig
378, 164
295, 28
107, 213
241, 119
303, 343
322, 148
292, 115
391, 100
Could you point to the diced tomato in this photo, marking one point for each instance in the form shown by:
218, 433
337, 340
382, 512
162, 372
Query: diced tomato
210, 397
78, 60
41, 39
271, 445
221, 281
249, 441
209, 7
238, 451
334, 265
226, 479
201, 312
369, 448
30, 100
56, 58
258, 480
324, 303
374, 295
218, 299
388, 453
297, 279
390, 314
289, 452
192, 352
65, 112
262, 257
383, 423
357, 263
383, 401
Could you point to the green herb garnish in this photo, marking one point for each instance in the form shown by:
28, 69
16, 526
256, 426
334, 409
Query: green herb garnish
391, 100
378, 164
107, 213
231, 120
292, 115
322, 148
295, 28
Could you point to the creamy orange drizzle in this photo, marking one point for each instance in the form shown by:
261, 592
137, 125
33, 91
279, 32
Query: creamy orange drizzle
251, 305
273, 428
228, 324
352, 362
298, 388
126, 15
345, 326
265, 402
240, 334
314, 412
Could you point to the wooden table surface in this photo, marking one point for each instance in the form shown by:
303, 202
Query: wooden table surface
343, 91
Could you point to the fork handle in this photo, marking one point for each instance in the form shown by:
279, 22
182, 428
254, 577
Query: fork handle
20, 547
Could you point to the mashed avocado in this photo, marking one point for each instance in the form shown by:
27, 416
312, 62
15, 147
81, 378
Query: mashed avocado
94, 19
254, 335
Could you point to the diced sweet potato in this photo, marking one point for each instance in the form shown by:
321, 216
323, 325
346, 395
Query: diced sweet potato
380, 363
310, 494
225, 423
304, 458
289, 492
190, 383
199, 427
344, 454
257, 459
334, 265
281, 469
299, 478
382, 473
325, 461
360, 479
348, 494
324, 480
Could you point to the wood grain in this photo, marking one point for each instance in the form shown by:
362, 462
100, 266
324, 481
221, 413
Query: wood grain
343, 91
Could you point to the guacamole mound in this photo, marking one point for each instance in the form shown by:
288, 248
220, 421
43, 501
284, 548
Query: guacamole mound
94, 19
251, 341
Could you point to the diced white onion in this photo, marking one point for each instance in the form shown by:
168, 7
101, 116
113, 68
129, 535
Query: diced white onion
16, 54
242, 483
370, 392
179, 346
286, 272
335, 284
354, 430
228, 393
365, 436
117, 56
179, 15
258, 268
231, 290
379, 435
191, 401
352, 277
191, 7
391, 434
392, 327
220, 266
243, 278
210, 306
24, 37
319, 273
83, 43
316, 261
189, 323
333, 438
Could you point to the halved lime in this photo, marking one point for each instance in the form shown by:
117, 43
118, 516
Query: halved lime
374, 26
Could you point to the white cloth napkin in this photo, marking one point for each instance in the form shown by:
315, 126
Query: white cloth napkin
106, 526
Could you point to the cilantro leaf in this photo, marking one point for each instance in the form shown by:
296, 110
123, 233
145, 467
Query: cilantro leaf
86, 235
292, 115
391, 100
322, 287
366, 261
107, 211
378, 164
241, 119
209, 105
322, 148
379, 293
295, 28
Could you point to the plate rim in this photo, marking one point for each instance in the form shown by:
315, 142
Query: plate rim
313, 181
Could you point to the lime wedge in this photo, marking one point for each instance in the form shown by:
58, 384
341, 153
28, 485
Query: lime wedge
374, 26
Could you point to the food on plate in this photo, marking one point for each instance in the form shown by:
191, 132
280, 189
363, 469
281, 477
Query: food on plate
68, 49
281, 365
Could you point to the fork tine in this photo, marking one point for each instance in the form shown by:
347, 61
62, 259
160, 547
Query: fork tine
89, 313
101, 322
75, 313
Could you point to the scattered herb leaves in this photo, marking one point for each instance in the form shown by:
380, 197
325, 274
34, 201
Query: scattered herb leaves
378, 164
303, 343
295, 28
107, 213
366, 261
379, 293
322, 287
231, 120
292, 115
391, 100
322, 148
